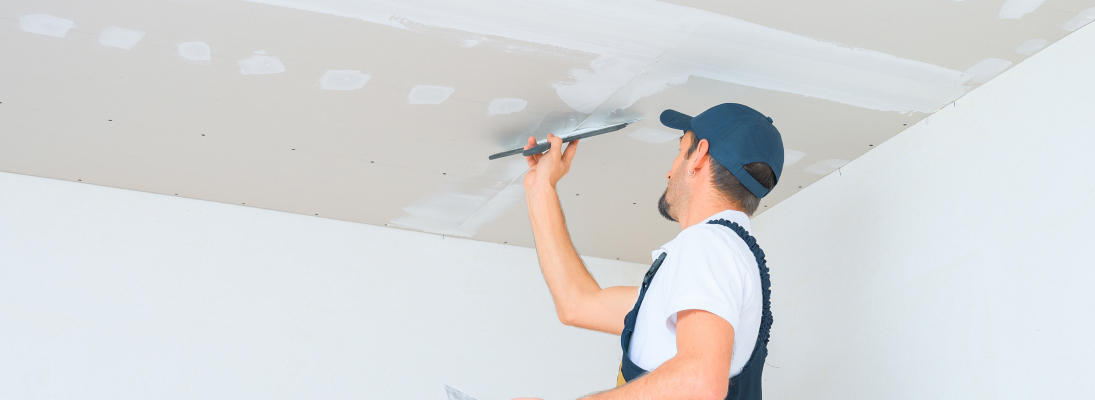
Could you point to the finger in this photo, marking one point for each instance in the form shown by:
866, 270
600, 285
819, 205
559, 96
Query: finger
533, 159
569, 153
556, 146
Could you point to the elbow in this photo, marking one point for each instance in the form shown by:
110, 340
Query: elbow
566, 317
708, 387
716, 395
713, 389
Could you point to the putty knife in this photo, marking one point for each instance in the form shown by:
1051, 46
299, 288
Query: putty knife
456, 394
578, 134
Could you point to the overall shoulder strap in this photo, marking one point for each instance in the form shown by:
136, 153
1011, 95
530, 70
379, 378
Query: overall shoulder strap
765, 280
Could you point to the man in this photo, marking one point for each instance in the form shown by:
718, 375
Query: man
698, 326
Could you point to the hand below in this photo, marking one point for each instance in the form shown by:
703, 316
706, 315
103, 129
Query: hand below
546, 169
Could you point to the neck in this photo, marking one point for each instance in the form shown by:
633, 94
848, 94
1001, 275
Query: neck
704, 203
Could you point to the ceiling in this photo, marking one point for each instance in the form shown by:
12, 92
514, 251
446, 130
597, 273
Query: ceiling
385, 112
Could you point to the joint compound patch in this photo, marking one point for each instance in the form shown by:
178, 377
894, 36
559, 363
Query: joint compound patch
195, 51
826, 167
1016, 9
121, 38
987, 69
653, 135
1028, 48
260, 64
427, 94
45, 24
791, 157
505, 106
462, 206
649, 46
1083, 18
343, 80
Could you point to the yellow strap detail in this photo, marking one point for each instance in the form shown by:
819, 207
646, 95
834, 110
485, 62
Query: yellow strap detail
620, 381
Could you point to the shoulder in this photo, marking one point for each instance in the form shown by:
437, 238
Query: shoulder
712, 244
705, 235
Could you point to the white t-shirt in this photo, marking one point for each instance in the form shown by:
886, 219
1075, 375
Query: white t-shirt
708, 267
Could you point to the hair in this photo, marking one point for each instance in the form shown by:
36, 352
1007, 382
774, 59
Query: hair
729, 186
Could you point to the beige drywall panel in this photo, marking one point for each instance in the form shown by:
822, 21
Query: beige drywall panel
234, 101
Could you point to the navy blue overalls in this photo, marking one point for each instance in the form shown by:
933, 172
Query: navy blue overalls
745, 385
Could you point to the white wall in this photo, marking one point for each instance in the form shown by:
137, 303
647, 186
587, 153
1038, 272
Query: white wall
115, 294
955, 261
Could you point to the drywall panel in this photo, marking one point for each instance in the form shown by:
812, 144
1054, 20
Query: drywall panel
116, 294
953, 261
384, 112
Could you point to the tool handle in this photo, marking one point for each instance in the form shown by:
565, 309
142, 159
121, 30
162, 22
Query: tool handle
542, 147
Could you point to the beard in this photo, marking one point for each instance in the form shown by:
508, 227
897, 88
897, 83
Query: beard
681, 196
663, 207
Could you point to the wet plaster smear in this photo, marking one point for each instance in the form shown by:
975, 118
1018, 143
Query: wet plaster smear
642, 48
668, 43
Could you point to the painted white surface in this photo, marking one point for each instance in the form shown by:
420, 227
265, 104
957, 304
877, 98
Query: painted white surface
110, 293
648, 46
343, 80
45, 24
121, 38
953, 261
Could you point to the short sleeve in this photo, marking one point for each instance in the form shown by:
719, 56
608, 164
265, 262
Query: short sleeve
706, 276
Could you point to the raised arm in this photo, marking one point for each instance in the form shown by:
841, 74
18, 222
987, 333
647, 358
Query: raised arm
579, 300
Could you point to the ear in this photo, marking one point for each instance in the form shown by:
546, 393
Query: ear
699, 158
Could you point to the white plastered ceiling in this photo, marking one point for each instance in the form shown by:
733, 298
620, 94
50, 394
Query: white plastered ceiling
385, 112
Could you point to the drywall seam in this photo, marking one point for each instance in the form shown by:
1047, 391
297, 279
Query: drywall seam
629, 36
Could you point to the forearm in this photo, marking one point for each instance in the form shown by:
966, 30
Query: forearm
567, 277
676, 379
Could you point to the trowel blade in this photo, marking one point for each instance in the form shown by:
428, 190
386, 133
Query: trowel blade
456, 394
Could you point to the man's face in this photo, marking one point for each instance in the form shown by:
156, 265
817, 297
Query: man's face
674, 201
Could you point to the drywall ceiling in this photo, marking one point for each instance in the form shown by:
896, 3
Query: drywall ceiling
385, 112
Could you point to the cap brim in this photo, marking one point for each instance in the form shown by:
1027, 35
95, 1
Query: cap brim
676, 120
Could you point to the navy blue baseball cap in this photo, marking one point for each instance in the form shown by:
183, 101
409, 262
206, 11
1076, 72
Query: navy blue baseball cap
736, 135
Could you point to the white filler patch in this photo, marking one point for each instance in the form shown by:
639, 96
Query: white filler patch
987, 69
340, 79
260, 64
1016, 9
121, 38
1083, 18
427, 94
505, 106
45, 24
791, 157
652, 135
195, 51
826, 167
648, 46
1028, 48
